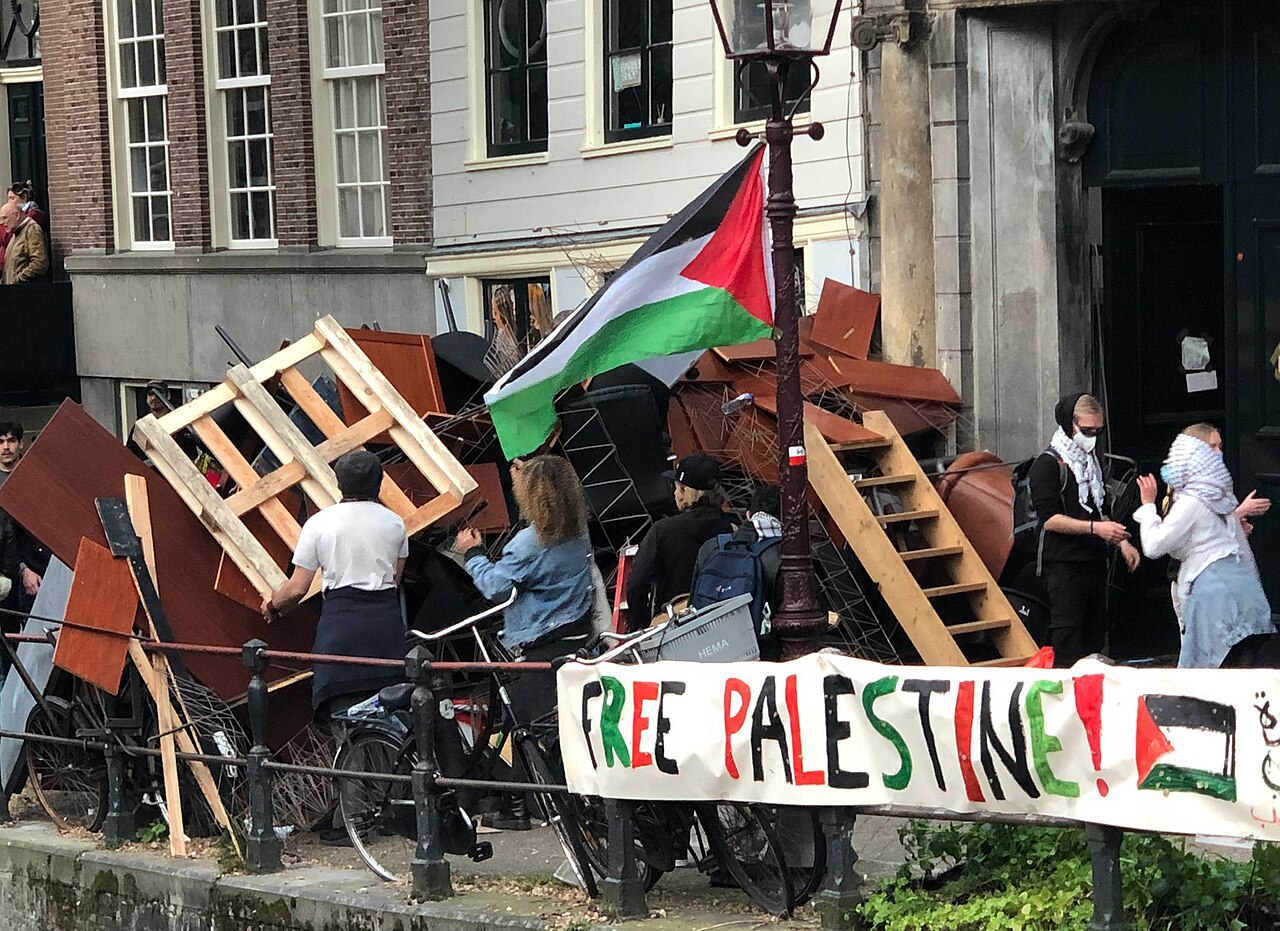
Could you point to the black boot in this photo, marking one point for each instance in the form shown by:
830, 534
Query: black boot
513, 815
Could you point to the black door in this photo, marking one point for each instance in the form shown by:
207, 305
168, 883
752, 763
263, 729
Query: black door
1163, 283
26, 138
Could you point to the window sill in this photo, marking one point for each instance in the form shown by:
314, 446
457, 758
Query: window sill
600, 150
717, 133
505, 161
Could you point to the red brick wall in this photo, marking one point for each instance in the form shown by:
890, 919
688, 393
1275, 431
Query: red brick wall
293, 156
406, 25
76, 136
188, 154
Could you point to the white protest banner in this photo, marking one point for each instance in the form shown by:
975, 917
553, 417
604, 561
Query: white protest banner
1175, 750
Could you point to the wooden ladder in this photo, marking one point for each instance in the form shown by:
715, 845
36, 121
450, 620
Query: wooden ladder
922, 585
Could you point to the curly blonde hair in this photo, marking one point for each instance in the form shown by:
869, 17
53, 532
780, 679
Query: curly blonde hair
550, 497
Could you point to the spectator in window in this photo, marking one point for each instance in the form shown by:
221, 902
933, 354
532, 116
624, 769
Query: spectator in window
26, 257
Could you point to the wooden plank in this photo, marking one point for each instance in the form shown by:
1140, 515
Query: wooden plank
224, 393
877, 481
1005, 661
930, 552
244, 475
355, 436
331, 425
903, 517
838, 431
52, 493
428, 514
416, 441
957, 588
409, 364
876, 553
193, 488
283, 437
135, 495
973, 627
946, 531
905, 382
102, 597
266, 488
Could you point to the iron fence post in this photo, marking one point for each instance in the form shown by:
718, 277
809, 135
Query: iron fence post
1108, 886
262, 847
841, 893
430, 869
623, 893
118, 826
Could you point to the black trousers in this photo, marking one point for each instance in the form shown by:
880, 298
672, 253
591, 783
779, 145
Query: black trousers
1077, 609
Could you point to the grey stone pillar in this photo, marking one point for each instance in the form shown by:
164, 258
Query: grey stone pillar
906, 197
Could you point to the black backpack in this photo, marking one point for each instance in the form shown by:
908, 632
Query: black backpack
734, 569
1028, 533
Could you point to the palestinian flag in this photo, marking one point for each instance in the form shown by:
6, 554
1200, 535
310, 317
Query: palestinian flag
703, 280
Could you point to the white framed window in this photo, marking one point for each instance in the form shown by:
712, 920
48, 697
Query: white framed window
242, 80
354, 85
140, 109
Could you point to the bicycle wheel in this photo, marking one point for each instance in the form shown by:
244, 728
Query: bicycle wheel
561, 813
379, 816
594, 817
745, 841
804, 849
69, 782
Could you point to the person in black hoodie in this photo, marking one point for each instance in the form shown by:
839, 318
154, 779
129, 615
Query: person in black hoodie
663, 568
1070, 500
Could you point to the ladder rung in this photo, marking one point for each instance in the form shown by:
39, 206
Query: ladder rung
871, 442
959, 588
925, 514
884, 480
972, 627
1004, 661
931, 552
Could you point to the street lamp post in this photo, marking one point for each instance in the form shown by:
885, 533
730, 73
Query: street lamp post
782, 35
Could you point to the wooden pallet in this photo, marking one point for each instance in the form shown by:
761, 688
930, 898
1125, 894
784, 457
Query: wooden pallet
952, 570
303, 465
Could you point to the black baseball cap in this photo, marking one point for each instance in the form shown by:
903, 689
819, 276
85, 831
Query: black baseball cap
359, 475
697, 471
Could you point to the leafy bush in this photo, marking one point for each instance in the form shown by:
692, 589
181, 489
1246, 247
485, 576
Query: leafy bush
996, 877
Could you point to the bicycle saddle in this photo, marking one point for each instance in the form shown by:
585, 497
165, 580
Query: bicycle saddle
396, 697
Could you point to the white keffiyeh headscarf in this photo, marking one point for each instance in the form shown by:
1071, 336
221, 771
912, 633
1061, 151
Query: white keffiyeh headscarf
1194, 468
1084, 466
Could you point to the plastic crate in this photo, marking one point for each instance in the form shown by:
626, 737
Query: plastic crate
719, 633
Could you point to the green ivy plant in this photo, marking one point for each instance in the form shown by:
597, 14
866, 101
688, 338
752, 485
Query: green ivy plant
998, 877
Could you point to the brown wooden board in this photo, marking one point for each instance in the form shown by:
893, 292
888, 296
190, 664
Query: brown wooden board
755, 351
899, 381
102, 597
486, 512
408, 362
708, 368
52, 492
837, 430
845, 319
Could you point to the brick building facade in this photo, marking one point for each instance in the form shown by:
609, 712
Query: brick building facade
254, 164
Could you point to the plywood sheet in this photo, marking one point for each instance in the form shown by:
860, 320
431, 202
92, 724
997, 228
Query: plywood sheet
756, 351
408, 362
899, 381
486, 513
103, 597
845, 319
52, 492
837, 430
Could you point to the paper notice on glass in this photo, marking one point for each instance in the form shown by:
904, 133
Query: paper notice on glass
1201, 381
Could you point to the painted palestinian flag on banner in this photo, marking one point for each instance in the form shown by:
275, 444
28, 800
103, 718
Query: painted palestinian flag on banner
702, 280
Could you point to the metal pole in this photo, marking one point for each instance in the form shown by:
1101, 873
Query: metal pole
1108, 886
623, 894
799, 622
430, 869
841, 894
263, 846
118, 827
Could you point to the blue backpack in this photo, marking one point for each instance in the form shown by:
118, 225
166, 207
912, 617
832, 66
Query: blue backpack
734, 569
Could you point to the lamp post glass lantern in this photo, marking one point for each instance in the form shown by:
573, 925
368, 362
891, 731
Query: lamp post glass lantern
780, 35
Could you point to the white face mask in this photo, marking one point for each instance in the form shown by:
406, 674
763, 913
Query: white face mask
1085, 442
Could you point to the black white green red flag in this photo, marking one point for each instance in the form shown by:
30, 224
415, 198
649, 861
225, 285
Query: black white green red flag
702, 280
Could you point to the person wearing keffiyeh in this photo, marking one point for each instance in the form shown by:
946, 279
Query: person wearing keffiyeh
1223, 606
1070, 502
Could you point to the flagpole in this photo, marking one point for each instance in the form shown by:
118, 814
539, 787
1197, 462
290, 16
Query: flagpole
799, 623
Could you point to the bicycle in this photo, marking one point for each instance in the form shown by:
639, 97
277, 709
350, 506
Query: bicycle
378, 814
757, 845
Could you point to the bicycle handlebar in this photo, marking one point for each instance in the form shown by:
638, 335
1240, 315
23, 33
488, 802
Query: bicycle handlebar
625, 642
465, 622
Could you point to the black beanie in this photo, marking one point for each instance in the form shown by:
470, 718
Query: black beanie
359, 475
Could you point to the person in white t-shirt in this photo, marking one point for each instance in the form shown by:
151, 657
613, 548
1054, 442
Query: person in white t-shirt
359, 548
